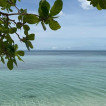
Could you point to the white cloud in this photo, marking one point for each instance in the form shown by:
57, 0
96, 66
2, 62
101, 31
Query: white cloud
85, 4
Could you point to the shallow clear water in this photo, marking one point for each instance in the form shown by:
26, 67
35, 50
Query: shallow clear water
55, 79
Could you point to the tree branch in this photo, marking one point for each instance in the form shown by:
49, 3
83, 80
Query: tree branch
7, 14
16, 34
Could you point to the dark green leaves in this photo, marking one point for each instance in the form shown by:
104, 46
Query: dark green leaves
54, 25
93, 2
21, 53
30, 19
43, 25
19, 58
5, 5
31, 37
44, 8
13, 30
10, 27
19, 25
57, 7
10, 64
100, 4
2, 60
47, 15
29, 45
98, 7
26, 27
20, 17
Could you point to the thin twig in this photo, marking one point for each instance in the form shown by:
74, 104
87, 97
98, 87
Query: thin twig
7, 14
12, 21
16, 34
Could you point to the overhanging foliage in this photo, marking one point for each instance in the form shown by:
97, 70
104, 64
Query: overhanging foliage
9, 27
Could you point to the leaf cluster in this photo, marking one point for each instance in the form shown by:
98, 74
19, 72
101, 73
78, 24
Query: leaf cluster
99, 4
9, 27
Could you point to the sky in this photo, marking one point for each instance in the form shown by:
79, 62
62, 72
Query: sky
83, 27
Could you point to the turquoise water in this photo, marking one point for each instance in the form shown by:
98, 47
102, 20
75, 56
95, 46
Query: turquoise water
61, 78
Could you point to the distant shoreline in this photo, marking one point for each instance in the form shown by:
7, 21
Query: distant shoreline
65, 50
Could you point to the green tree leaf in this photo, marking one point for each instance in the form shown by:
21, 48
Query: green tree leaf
98, 7
54, 25
12, 20
19, 25
44, 8
21, 53
19, 58
43, 25
31, 19
2, 59
15, 62
31, 37
29, 45
26, 27
13, 30
102, 4
57, 7
10, 64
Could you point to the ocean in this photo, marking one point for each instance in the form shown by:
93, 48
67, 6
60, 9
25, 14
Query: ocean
55, 78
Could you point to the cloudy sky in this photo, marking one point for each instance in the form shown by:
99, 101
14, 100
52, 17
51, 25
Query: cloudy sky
83, 27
